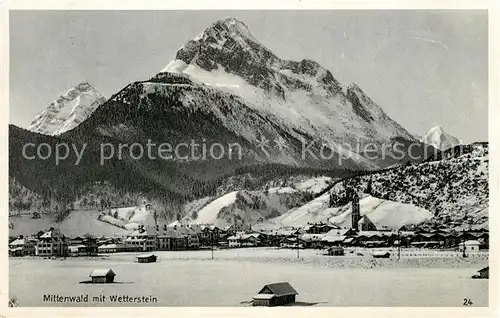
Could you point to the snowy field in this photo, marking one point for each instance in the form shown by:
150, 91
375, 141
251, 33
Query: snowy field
234, 276
78, 223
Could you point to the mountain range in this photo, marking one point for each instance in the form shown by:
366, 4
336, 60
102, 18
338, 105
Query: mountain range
223, 87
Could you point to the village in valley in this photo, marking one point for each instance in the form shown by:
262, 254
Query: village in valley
331, 239
359, 245
176, 236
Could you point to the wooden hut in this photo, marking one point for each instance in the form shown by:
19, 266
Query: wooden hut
381, 254
275, 295
336, 251
101, 276
149, 258
483, 273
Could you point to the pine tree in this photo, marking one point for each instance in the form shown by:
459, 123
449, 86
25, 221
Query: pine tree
155, 217
369, 187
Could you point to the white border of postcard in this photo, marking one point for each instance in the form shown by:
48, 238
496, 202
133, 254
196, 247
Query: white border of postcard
494, 131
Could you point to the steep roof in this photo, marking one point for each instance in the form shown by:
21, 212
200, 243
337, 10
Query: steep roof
380, 253
335, 248
196, 228
335, 232
278, 289
376, 233
312, 237
51, 233
19, 241
175, 223
365, 220
333, 238
146, 256
107, 246
170, 232
138, 232
99, 272
472, 242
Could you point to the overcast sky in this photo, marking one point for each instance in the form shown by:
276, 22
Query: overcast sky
424, 68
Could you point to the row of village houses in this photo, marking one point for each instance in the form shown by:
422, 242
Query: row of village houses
180, 237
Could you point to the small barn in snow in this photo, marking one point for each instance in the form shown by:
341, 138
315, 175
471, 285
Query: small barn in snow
381, 254
275, 295
148, 258
484, 272
101, 276
336, 251
470, 246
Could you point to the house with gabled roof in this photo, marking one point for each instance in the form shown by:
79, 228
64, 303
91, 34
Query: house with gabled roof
141, 239
275, 294
101, 276
210, 234
22, 246
319, 228
51, 243
177, 237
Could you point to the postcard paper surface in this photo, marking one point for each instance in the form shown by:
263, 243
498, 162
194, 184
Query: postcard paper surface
310, 158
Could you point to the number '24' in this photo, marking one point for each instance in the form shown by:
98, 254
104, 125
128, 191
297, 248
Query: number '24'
468, 302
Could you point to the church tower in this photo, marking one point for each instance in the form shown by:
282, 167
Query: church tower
355, 216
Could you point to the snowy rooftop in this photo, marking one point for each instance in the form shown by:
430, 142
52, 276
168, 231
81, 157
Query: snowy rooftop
102, 272
18, 242
472, 242
264, 296
333, 238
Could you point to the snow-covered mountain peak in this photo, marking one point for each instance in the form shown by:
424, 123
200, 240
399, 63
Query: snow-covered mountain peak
436, 130
227, 46
355, 87
440, 139
227, 43
230, 27
68, 110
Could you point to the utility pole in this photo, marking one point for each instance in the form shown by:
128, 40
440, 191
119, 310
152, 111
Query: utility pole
463, 244
297, 233
399, 244
212, 241
276, 239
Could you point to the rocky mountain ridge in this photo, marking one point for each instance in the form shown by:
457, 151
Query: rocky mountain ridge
68, 111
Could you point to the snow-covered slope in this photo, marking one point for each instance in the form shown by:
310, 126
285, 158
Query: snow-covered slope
209, 213
77, 223
129, 217
249, 207
453, 190
68, 111
314, 185
440, 139
383, 213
